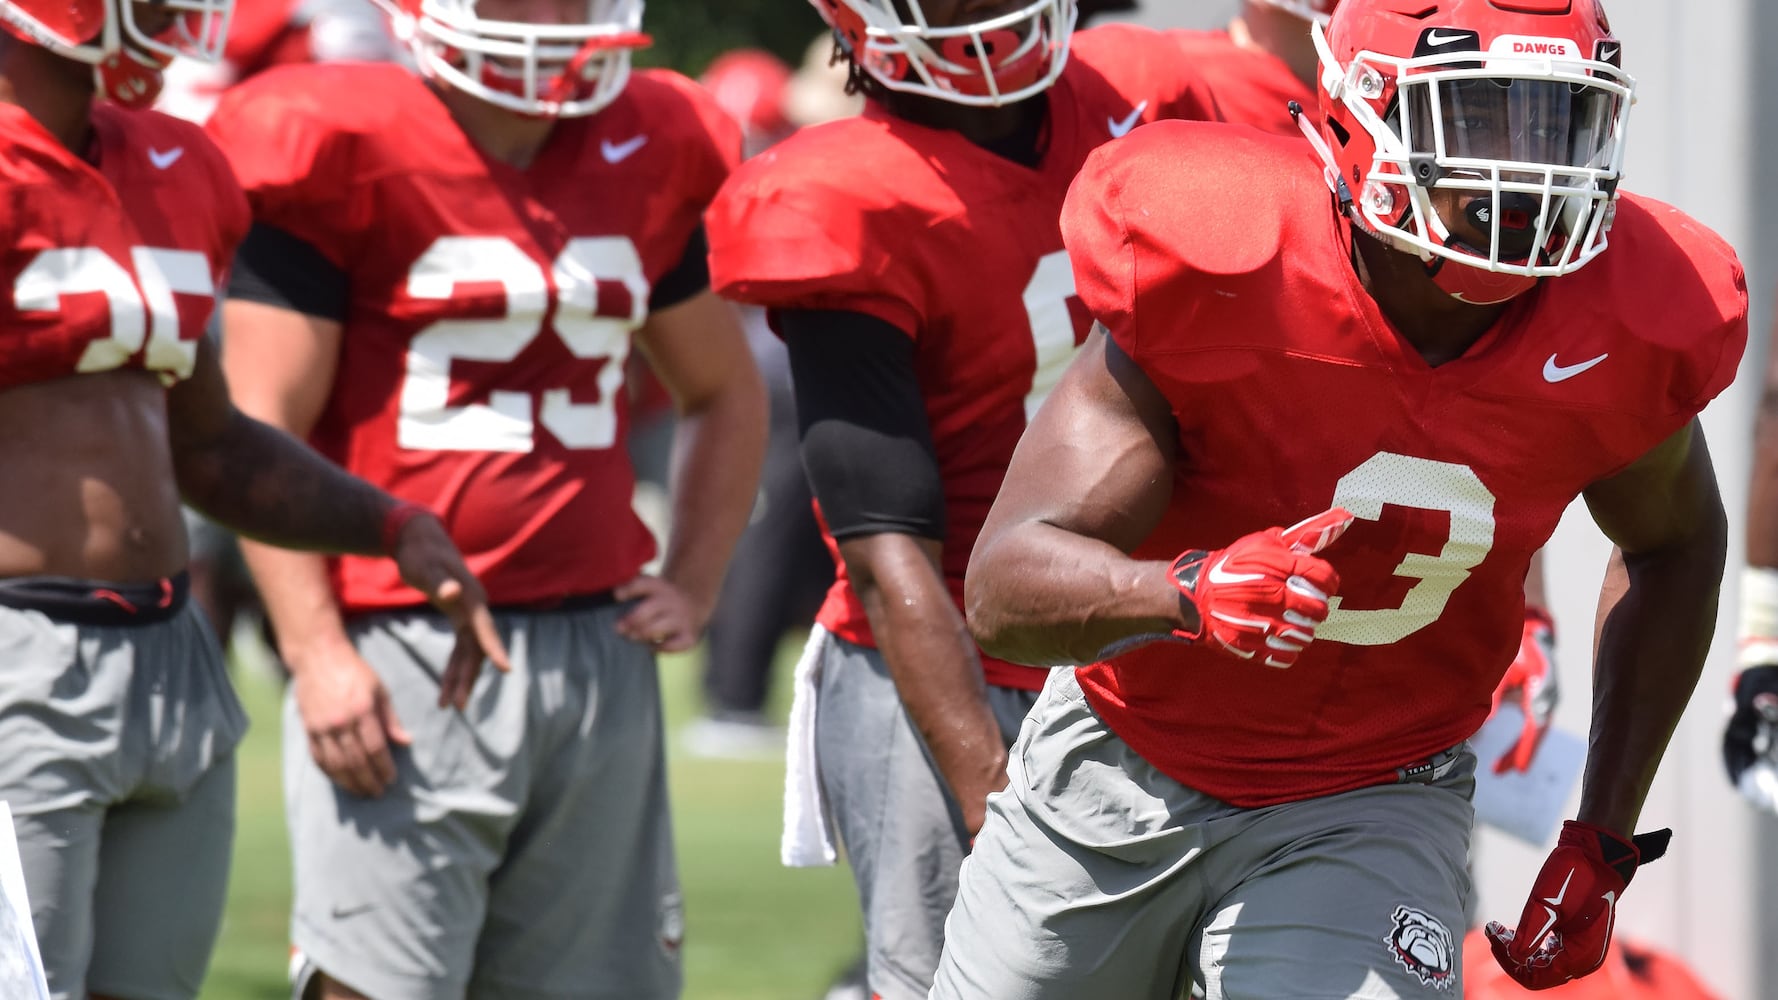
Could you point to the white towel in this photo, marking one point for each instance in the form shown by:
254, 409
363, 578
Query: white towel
808, 840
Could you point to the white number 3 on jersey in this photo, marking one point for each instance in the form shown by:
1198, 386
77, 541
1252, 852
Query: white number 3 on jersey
1405, 481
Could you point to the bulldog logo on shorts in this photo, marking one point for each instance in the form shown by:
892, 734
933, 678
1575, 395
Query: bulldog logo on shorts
1423, 946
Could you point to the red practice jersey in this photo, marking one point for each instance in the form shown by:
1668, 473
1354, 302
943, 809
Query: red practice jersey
116, 264
482, 354
957, 247
1251, 87
1217, 262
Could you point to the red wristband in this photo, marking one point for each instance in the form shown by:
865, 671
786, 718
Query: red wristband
397, 519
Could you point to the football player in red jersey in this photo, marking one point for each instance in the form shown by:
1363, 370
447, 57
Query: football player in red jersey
1261, 61
1257, 67
910, 258
1408, 341
117, 722
441, 286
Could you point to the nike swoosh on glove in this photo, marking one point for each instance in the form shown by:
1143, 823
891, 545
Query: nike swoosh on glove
1566, 927
1263, 596
1532, 679
1750, 740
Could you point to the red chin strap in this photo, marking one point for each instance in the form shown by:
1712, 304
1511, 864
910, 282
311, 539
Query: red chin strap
129, 79
1021, 72
569, 83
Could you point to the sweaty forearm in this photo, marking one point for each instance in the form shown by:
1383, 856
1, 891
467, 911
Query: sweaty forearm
932, 661
267, 485
718, 450
1657, 615
1040, 595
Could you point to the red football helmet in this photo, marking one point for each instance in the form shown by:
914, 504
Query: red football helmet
1308, 10
545, 70
749, 85
1001, 60
127, 58
1508, 116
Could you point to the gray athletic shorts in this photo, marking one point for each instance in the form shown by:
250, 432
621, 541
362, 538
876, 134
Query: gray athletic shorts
117, 759
524, 850
1098, 876
903, 832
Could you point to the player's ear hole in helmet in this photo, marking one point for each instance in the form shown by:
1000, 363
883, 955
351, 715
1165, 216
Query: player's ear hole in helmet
1470, 134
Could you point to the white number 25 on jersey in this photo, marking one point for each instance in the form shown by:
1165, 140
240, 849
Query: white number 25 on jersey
144, 315
504, 422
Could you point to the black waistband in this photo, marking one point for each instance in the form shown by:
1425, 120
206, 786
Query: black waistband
95, 602
567, 602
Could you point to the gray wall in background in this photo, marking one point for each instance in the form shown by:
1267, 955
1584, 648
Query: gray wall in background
1184, 13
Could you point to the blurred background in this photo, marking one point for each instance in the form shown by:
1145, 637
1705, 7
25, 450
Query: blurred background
1703, 137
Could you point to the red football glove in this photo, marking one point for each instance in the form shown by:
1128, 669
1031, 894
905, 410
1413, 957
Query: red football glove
1264, 595
1532, 677
1566, 926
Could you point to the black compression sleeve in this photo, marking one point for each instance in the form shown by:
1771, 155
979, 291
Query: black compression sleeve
866, 444
276, 268
688, 277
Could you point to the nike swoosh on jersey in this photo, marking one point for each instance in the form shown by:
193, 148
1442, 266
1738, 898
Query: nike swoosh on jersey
1119, 128
1220, 578
163, 160
617, 152
1553, 372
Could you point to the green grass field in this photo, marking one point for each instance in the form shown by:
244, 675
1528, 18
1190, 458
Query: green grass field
754, 930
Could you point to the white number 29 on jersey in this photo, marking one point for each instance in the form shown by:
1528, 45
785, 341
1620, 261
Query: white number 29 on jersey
505, 421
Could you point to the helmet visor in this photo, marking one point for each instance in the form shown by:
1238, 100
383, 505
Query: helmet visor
1540, 156
1508, 122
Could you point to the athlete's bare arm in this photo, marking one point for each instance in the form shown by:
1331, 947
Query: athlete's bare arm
260, 481
1050, 580
280, 365
1657, 611
932, 662
868, 447
698, 350
1762, 494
